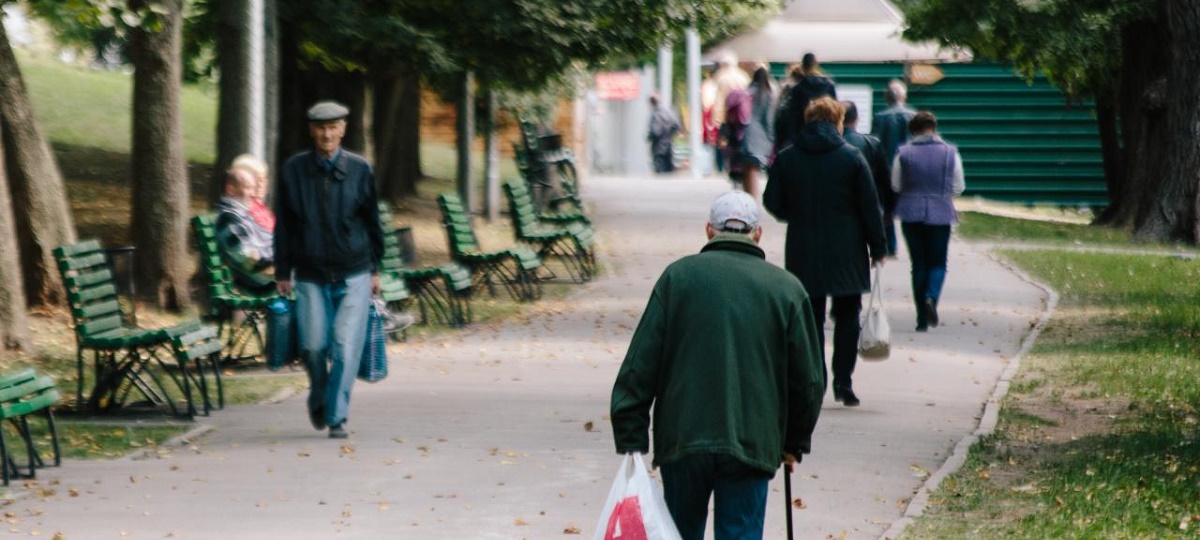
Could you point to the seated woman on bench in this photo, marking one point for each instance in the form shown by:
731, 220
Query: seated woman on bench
245, 245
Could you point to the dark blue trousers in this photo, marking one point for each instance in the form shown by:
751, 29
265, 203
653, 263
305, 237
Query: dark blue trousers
846, 328
927, 246
739, 496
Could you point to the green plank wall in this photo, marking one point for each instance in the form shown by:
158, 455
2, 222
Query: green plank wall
1020, 142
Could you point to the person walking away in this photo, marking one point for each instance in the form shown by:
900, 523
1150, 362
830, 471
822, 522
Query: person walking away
663, 127
891, 127
822, 187
811, 84
873, 153
328, 244
926, 174
244, 245
708, 106
726, 356
759, 133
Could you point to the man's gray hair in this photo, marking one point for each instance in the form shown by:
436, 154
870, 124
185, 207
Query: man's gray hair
896, 91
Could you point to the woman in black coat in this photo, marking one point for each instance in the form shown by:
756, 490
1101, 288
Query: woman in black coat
822, 187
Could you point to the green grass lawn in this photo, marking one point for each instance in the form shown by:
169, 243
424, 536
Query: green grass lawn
986, 227
1099, 436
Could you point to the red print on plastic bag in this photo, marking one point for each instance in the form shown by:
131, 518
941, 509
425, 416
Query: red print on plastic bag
626, 523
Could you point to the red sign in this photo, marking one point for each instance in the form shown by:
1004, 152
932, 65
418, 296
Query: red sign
618, 85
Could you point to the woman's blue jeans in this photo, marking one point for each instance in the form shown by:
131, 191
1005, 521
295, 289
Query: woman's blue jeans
739, 492
332, 324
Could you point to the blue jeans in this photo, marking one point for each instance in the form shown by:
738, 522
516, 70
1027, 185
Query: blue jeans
333, 326
740, 494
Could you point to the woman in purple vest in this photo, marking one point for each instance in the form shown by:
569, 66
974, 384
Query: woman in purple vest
927, 173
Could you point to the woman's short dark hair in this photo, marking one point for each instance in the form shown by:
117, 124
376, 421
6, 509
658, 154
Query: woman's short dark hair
921, 122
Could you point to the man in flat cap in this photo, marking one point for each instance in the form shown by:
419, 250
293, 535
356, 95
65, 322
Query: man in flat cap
328, 244
725, 357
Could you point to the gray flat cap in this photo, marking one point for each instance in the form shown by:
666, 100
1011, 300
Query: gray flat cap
327, 111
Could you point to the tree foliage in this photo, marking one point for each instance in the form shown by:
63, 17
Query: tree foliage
1072, 42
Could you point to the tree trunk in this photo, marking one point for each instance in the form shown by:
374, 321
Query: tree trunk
408, 131
293, 128
1174, 215
491, 168
1142, 110
1110, 152
465, 129
233, 97
397, 135
160, 184
14, 325
39, 198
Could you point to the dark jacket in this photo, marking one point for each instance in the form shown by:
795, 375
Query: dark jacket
790, 118
244, 245
327, 221
891, 126
822, 187
872, 151
726, 353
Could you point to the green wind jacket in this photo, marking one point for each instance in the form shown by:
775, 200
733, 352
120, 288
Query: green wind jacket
726, 352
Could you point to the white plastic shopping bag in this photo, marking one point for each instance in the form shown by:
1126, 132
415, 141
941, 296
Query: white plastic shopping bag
874, 342
635, 509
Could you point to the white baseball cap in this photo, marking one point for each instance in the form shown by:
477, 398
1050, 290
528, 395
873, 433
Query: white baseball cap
735, 211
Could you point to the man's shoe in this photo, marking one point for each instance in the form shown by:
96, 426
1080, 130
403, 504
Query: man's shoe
338, 432
931, 312
848, 397
317, 417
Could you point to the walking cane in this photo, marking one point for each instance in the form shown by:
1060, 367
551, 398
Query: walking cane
787, 492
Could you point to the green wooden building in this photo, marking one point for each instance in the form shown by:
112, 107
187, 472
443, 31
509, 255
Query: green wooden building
1021, 141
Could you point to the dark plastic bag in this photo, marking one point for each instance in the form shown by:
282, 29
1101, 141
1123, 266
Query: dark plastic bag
281, 333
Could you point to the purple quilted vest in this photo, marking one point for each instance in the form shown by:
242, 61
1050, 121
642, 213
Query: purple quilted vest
926, 182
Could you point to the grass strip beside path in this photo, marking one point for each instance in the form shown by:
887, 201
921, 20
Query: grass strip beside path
1098, 435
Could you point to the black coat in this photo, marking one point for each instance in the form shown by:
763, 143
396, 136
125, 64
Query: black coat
872, 151
822, 187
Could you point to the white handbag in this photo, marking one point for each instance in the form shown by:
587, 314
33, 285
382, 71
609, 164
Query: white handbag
874, 341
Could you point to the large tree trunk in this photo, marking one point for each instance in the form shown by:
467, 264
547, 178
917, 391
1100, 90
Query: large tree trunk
1174, 213
14, 325
234, 95
397, 129
1142, 110
160, 185
39, 198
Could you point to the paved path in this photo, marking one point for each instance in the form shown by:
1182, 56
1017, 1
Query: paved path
501, 431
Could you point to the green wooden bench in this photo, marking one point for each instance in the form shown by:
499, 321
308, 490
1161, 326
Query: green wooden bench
515, 269
22, 394
125, 358
573, 244
442, 293
201, 348
239, 314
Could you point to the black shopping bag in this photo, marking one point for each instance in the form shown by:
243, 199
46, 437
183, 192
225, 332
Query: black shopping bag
281, 333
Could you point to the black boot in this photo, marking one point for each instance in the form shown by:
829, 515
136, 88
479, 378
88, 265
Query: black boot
845, 394
922, 317
931, 314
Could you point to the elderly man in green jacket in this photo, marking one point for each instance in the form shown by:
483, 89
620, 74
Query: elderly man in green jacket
726, 353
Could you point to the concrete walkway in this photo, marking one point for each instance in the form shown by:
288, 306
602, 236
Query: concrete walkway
501, 431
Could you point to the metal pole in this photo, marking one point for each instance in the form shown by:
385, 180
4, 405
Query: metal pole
666, 60
699, 157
